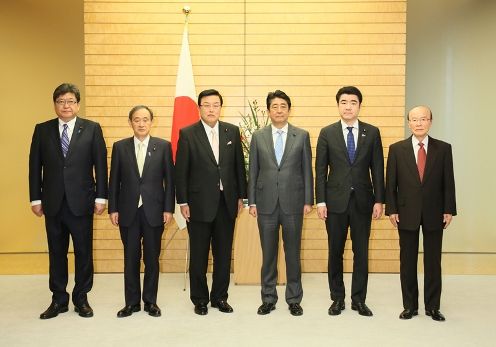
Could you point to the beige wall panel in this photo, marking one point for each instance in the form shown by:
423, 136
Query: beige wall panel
212, 7
154, 18
144, 60
155, 80
328, 6
326, 17
312, 28
166, 28
309, 59
175, 39
165, 71
328, 38
224, 49
323, 70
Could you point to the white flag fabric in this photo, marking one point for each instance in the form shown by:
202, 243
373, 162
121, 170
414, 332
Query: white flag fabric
185, 108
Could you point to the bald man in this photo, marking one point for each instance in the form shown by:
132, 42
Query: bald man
420, 192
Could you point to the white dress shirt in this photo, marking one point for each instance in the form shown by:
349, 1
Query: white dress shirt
416, 147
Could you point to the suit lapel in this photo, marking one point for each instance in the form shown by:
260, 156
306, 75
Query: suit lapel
224, 137
76, 134
132, 154
338, 135
290, 140
362, 133
201, 135
410, 158
432, 152
55, 137
148, 154
269, 142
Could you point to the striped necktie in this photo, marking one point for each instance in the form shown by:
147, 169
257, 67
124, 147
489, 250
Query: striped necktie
64, 140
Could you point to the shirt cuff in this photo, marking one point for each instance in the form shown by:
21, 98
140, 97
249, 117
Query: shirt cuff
101, 201
321, 204
183, 204
35, 202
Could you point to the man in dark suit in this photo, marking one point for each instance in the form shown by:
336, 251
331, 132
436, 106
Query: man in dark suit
349, 170
141, 201
68, 183
420, 191
280, 192
210, 187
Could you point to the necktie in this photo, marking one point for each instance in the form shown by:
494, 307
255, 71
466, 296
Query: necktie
350, 144
215, 146
140, 158
421, 158
278, 147
64, 140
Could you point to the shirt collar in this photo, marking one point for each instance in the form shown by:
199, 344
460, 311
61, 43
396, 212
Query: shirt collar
284, 129
145, 141
345, 126
208, 128
70, 123
415, 142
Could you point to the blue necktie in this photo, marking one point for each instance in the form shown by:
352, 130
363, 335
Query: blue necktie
64, 141
350, 144
278, 147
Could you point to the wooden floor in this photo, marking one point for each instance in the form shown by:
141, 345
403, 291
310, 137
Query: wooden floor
467, 303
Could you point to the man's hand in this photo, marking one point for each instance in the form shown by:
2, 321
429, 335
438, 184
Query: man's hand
394, 219
240, 205
377, 210
307, 209
99, 208
185, 212
167, 217
37, 210
322, 212
114, 218
447, 219
253, 211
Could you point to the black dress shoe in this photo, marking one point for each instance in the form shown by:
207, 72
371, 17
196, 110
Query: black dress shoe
336, 307
223, 306
201, 309
153, 310
436, 315
53, 310
84, 310
128, 310
295, 309
408, 314
266, 308
362, 309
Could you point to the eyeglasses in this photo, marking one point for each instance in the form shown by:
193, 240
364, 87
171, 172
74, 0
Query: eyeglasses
62, 102
214, 106
420, 120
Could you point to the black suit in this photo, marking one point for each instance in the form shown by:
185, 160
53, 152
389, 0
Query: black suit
212, 211
350, 191
420, 204
156, 187
67, 189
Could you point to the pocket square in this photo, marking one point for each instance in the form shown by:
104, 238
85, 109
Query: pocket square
229, 143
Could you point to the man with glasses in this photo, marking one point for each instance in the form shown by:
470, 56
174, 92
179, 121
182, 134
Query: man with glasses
67, 184
210, 188
420, 191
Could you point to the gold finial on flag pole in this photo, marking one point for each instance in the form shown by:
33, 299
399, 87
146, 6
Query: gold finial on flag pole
186, 11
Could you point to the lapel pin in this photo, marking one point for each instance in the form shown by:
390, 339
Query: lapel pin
80, 129
229, 143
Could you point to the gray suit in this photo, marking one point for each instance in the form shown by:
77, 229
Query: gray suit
279, 193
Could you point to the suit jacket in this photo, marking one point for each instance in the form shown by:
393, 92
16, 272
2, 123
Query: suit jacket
336, 177
198, 174
420, 202
51, 176
156, 184
291, 182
